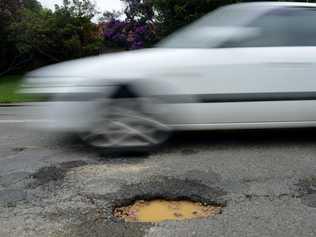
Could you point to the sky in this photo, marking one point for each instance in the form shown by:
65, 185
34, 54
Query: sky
102, 5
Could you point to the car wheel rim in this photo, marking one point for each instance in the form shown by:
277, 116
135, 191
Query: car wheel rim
126, 127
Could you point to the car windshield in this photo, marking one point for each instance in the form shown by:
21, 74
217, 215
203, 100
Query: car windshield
205, 32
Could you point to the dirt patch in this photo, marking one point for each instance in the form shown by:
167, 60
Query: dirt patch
307, 191
307, 185
95, 223
100, 170
53, 173
47, 174
165, 210
188, 151
72, 164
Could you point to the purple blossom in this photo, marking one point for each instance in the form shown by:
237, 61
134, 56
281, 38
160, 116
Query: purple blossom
131, 35
140, 30
137, 45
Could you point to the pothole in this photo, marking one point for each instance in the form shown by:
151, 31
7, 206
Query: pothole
159, 210
111, 211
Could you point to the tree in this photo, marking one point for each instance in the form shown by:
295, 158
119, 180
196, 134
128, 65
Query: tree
110, 15
73, 25
33, 5
8, 11
10, 7
37, 36
136, 31
128, 34
78, 8
139, 10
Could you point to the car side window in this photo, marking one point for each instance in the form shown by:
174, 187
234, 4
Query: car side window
287, 26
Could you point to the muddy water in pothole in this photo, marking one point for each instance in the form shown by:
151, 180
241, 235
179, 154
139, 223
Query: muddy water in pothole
163, 210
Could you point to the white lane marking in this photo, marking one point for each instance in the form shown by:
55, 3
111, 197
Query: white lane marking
25, 121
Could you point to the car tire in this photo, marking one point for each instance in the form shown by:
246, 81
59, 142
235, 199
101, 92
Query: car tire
125, 124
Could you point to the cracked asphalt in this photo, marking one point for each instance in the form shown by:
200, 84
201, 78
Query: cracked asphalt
52, 185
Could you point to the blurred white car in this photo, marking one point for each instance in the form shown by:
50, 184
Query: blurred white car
250, 65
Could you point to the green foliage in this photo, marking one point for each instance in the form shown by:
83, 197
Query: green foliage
77, 9
139, 10
34, 36
33, 5
8, 11
9, 7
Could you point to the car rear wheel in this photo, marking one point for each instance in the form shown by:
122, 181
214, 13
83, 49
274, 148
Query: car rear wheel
125, 125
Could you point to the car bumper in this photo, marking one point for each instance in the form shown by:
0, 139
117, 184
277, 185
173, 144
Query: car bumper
63, 116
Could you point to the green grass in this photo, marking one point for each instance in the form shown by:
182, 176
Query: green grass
9, 86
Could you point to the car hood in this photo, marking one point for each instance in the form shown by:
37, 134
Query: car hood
126, 65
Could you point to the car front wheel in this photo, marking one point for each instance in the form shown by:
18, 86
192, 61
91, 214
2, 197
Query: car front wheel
125, 125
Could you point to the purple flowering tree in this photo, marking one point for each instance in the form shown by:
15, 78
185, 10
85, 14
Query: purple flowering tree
128, 35
136, 31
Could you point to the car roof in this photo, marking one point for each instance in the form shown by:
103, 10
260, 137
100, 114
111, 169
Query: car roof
250, 10
275, 4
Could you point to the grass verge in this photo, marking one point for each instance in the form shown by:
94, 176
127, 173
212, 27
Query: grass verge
9, 86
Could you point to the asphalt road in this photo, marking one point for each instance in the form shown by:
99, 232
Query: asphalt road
52, 185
